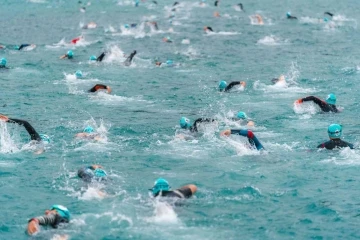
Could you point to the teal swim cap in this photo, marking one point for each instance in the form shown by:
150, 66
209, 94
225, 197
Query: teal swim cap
185, 122
288, 14
334, 131
222, 85
78, 74
63, 211
169, 62
45, 138
331, 99
160, 185
3, 62
126, 26
325, 19
241, 115
92, 58
100, 172
16, 47
70, 54
88, 129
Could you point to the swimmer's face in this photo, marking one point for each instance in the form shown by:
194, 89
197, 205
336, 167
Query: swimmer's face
47, 212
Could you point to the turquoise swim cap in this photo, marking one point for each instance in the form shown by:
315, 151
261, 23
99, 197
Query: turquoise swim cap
92, 58
160, 185
3, 62
78, 74
325, 19
185, 122
126, 26
222, 85
288, 14
334, 131
70, 54
63, 211
241, 115
331, 99
88, 129
16, 47
45, 138
169, 62
100, 172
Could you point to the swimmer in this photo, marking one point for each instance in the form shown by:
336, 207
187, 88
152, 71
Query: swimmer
53, 217
289, 16
208, 29
241, 7
326, 106
100, 57
93, 172
175, 3
90, 25
334, 132
254, 142
223, 87
259, 19
329, 13
89, 134
128, 60
78, 74
185, 123
3, 63
23, 46
161, 188
75, 40
168, 63
68, 55
216, 3
280, 79
167, 39
243, 118
100, 87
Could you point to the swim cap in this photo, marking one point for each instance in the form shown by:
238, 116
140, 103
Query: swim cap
88, 129
92, 58
78, 74
325, 19
45, 138
160, 185
70, 54
185, 122
100, 172
241, 115
126, 26
331, 99
3, 62
222, 85
334, 131
169, 62
63, 211
16, 47
288, 14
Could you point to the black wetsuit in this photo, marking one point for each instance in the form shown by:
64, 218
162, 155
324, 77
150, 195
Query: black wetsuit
23, 46
291, 17
335, 143
241, 6
51, 219
329, 13
175, 3
97, 87
33, 134
193, 128
100, 58
155, 2
178, 193
251, 137
216, 3
230, 86
325, 107
209, 28
129, 58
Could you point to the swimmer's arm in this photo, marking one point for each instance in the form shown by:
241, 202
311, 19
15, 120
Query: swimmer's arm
45, 220
33, 134
201, 120
63, 56
231, 85
97, 87
322, 145
350, 145
251, 137
312, 98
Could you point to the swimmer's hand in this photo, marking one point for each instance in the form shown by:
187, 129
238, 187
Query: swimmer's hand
299, 101
33, 227
251, 124
95, 166
225, 133
4, 118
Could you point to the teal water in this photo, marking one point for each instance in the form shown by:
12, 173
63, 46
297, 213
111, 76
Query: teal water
289, 191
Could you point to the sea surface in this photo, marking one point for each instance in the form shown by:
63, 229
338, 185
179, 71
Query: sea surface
291, 190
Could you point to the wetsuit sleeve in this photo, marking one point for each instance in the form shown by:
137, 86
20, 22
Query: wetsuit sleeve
350, 145
33, 134
322, 145
185, 192
52, 220
200, 120
97, 87
129, 58
100, 58
323, 105
231, 85
251, 137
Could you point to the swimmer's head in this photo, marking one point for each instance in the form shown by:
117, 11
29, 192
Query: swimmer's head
16, 47
222, 85
288, 14
45, 138
185, 122
92, 58
70, 54
62, 211
100, 173
334, 131
169, 62
167, 39
3, 62
160, 185
331, 99
88, 129
241, 115
78, 74
127, 26
325, 19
